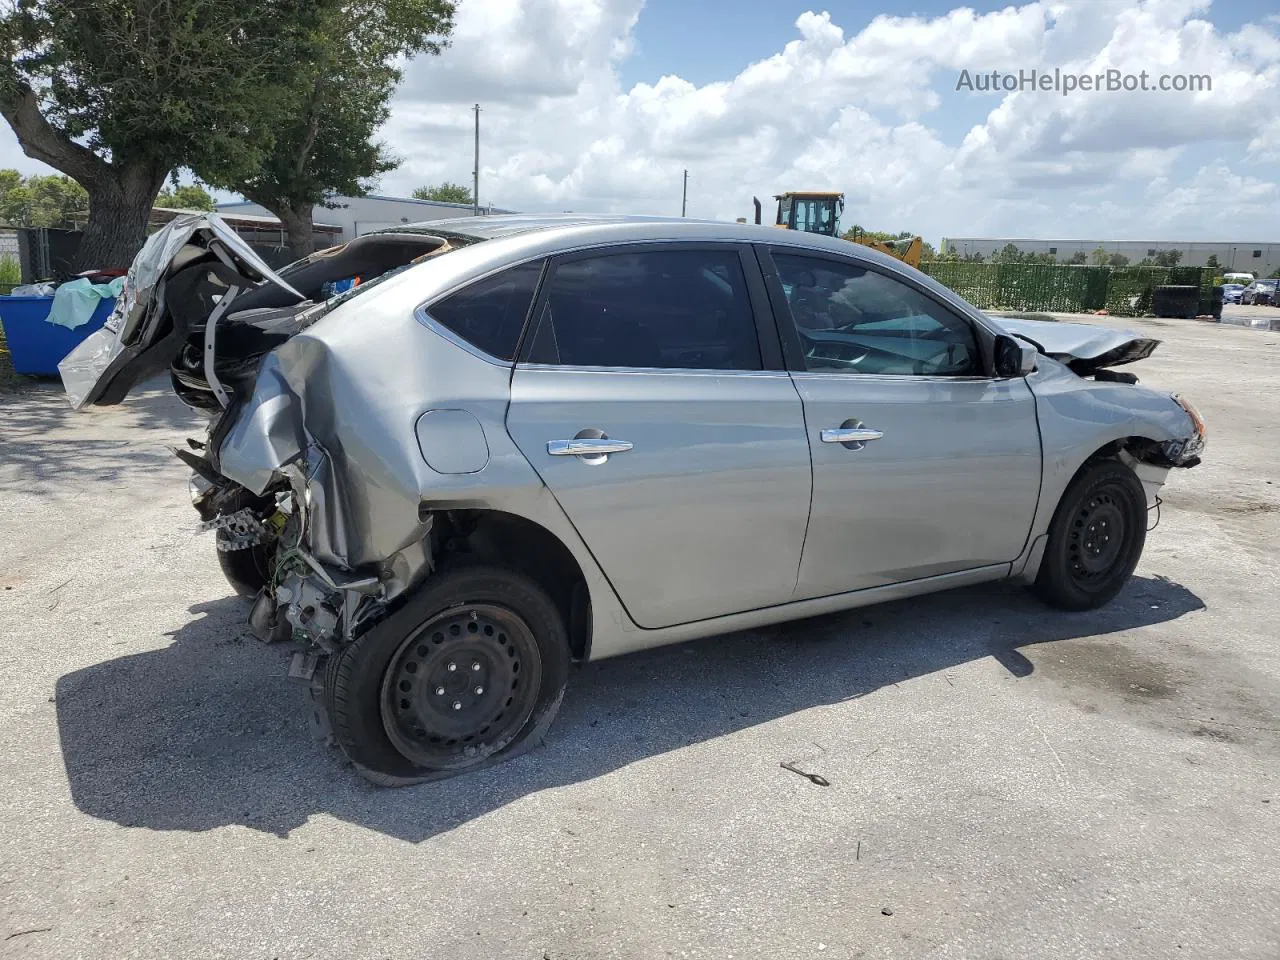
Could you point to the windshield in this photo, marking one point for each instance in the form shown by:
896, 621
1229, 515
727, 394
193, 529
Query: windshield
816, 216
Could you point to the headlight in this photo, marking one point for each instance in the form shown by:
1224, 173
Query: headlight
1185, 451
1196, 420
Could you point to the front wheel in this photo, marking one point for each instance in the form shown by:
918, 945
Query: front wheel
469, 672
1095, 539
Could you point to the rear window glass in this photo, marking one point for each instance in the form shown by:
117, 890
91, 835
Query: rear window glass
489, 314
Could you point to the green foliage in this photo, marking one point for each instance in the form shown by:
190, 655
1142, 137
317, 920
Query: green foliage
10, 272
880, 236
1162, 258
1023, 286
1099, 257
445, 193
1117, 260
40, 201
1275, 274
332, 103
1122, 291
160, 80
1079, 257
189, 196
117, 95
1212, 262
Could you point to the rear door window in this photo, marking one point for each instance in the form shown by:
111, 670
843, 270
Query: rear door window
666, 309
490, 313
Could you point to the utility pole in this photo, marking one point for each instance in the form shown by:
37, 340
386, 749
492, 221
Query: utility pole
684, 196
475, 174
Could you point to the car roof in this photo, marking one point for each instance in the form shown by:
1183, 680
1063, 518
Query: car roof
493, 227
565, 231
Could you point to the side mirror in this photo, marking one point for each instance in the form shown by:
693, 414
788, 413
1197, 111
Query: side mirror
1013, 357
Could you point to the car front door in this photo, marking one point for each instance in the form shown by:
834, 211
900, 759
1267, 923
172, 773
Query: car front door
666, 426
923, 463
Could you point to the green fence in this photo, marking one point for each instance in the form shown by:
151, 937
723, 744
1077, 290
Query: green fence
1065, 288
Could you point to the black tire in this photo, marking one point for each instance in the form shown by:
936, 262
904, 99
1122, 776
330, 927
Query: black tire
1095, 539
490, 638
247, 570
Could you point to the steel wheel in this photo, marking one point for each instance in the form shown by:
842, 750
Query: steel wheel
1097, 537
462, 687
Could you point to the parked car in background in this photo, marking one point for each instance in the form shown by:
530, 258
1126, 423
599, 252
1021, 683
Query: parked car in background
523, 441
1260, 292
1231, 292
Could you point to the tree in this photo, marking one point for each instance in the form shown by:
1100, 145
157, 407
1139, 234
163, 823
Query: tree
1212, 262
38, 201
445, 193
1117, 260
117, 95
1009, 253
1168, 258
189, 196
337, 99
1099, 257
1079, 257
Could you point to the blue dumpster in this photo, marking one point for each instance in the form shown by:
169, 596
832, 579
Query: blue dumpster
35, 344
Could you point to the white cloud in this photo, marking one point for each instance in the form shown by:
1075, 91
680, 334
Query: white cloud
868, 111
868, 108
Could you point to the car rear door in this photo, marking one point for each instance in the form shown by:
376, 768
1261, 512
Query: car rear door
666, 426
923, 463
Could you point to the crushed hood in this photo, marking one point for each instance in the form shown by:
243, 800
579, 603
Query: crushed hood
1082, 346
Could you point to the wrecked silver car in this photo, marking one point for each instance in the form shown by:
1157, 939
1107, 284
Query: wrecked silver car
521, 441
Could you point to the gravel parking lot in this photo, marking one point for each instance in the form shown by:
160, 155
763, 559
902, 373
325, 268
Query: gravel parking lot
1005, 781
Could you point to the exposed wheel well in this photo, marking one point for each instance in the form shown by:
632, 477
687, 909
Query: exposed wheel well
512, 541
1142, 449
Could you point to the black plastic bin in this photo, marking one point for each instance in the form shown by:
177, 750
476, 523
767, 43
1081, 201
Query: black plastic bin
1177, 301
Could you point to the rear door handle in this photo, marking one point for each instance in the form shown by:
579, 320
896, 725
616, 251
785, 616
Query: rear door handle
850, 435
586, 447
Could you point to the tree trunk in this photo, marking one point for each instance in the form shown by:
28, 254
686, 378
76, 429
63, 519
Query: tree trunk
120, 204
299, 222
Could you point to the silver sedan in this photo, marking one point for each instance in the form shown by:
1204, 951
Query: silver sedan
520, 442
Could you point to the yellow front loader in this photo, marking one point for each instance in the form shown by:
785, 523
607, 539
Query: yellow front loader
819, 212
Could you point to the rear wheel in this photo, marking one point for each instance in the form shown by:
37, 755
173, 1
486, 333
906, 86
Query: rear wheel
469, 672
248, 570
1095, 539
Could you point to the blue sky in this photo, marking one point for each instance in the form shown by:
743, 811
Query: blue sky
707, 40
599, 105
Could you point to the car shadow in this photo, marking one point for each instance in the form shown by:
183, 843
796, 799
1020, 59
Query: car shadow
207, 731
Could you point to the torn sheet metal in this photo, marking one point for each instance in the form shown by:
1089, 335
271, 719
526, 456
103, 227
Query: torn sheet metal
133, 325
1081, 346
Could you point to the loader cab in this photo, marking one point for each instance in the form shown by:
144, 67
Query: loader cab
810, 212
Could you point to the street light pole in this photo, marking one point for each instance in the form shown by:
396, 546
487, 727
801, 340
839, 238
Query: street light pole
684, 196
475, 174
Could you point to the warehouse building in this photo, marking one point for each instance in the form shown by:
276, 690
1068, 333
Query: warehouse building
1260, 259
357, 216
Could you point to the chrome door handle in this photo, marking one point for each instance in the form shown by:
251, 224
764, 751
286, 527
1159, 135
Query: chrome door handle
850, 435
586, 447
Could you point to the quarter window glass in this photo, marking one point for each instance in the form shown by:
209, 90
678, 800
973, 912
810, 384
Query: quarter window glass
489, 314
674, 309
854, 320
